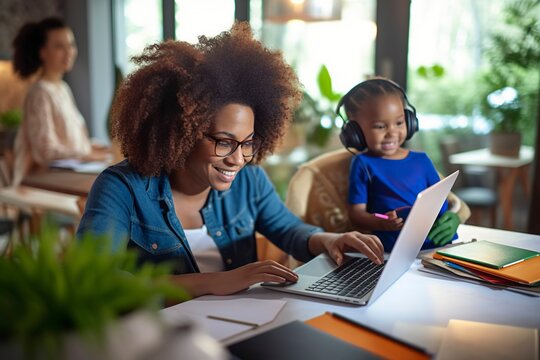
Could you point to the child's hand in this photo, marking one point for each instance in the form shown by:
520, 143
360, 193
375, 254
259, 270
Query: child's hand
393, 222
444, 228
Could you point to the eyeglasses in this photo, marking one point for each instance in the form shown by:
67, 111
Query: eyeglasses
225, 147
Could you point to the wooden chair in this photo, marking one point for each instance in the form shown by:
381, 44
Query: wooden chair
30, 205
25, 206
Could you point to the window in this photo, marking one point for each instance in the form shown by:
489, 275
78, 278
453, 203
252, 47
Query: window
202, 17
345, 45
446, 57
446, 60
138, 23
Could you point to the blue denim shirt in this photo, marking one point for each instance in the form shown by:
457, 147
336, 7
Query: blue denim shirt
128, 206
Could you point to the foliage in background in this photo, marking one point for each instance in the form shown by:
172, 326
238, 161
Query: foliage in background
513, 60
430, 72
11, 119
312, 111
50, 290
439, 93
514, 57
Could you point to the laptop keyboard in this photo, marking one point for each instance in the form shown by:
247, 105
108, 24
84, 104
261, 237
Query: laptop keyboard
354, 278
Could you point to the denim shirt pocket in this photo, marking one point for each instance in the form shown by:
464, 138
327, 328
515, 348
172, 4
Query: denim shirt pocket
242, 228
241, 232
159, 245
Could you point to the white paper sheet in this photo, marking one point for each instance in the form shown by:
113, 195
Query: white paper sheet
88, 167
255, 311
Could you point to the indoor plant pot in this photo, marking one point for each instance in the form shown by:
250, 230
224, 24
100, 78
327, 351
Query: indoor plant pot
505, 144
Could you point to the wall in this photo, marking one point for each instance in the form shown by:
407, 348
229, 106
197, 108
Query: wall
92, 77
15, 13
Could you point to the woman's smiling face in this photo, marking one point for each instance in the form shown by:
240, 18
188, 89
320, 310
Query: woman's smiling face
233, 121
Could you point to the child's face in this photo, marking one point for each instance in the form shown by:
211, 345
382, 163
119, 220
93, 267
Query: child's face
382, 120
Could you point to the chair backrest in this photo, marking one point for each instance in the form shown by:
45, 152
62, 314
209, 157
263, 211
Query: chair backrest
318, 191
449, 145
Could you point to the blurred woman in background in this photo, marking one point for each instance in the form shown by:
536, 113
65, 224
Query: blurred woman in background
52, 127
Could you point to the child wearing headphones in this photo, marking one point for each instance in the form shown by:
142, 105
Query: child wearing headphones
385, 178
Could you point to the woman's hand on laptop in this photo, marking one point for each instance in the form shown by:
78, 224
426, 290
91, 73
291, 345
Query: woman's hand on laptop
236, 280
337, 244
232, 281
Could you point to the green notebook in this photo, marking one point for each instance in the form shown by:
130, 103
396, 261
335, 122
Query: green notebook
488, 254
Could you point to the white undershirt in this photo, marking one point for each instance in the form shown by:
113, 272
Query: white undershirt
204, 249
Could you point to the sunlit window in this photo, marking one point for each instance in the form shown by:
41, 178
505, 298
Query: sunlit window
202, 17
446, 56
345, 43
138, 24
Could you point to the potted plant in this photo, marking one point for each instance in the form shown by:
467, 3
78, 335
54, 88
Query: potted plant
82, 300
511, 82
9, 124
504, 111
319, 114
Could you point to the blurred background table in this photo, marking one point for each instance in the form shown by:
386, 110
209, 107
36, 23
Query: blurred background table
62, 181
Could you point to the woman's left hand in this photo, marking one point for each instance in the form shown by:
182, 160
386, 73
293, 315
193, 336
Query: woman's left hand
337, 244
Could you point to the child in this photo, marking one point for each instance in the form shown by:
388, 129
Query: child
385, 177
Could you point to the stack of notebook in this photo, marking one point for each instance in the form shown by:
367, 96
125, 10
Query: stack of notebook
489, 263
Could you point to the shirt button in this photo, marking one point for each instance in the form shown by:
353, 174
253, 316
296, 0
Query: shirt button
218, 233
229, 261
154, 246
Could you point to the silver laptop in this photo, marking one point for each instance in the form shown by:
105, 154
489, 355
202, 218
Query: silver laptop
358, 280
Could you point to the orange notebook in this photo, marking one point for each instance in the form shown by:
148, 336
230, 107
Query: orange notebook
374, 342
525, 272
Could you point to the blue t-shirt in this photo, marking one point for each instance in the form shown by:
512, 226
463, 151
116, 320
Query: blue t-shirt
385, 184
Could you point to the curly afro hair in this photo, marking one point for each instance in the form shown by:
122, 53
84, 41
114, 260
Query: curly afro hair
166, 106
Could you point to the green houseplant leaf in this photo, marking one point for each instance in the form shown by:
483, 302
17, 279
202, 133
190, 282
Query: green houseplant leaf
313, 109
324, 80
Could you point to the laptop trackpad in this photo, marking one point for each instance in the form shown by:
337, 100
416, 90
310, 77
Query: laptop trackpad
317, 267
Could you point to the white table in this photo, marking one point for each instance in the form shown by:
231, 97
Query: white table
509, 169
420, 298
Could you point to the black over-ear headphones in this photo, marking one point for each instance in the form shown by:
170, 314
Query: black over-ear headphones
351, 134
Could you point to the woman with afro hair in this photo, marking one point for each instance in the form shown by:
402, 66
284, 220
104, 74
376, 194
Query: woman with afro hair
193, 121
